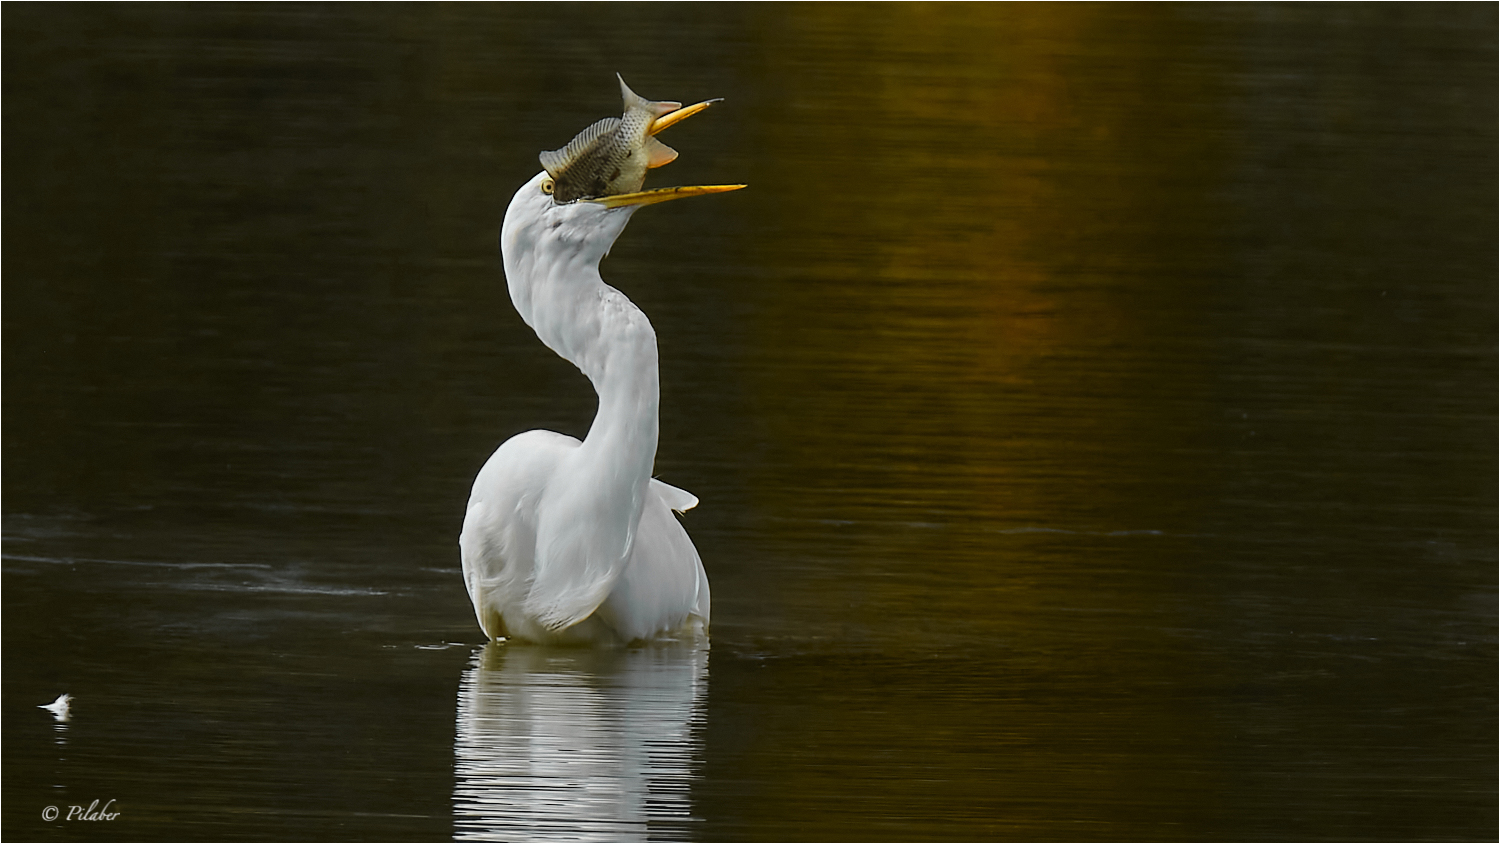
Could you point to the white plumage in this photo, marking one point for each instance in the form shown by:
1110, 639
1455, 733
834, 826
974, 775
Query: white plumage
575, 542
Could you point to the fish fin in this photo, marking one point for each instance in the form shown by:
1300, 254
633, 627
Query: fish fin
633, 100
658, 153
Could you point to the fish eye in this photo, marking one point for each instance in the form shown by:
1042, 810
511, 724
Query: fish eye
547, 186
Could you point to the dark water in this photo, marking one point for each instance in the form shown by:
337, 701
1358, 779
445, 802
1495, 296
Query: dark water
1093, 409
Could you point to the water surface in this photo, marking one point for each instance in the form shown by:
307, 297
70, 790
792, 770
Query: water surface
1093, 410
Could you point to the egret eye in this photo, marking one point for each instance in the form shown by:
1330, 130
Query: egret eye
547, 186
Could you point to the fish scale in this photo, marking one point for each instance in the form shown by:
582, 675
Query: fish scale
611, 156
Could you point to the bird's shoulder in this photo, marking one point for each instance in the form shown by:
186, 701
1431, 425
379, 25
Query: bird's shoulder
524, 460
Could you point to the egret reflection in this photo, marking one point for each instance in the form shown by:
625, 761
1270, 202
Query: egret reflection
579, 744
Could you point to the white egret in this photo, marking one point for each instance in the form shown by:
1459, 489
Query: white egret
567, 541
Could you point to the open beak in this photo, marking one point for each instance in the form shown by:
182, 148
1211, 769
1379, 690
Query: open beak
664, 155
651, 197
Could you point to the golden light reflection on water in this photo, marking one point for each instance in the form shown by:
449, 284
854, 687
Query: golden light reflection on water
944, 234
992, 350
989, 234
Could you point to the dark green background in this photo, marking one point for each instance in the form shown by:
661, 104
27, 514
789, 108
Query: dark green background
1093, 409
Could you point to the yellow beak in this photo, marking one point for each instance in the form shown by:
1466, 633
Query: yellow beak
680, 114
651, 197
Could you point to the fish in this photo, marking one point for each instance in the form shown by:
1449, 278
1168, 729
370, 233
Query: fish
611, 157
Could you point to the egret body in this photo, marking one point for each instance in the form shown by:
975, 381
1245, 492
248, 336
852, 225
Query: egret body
574, 542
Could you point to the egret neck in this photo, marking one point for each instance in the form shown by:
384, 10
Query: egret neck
598, 329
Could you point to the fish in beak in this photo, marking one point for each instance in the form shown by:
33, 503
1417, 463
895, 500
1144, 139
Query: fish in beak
607, 162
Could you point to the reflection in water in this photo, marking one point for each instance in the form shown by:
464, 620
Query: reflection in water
578, 744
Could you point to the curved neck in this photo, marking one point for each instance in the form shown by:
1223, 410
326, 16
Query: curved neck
621, 362
551, 254
599, 330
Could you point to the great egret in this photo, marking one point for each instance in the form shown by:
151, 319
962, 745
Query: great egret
567, 541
